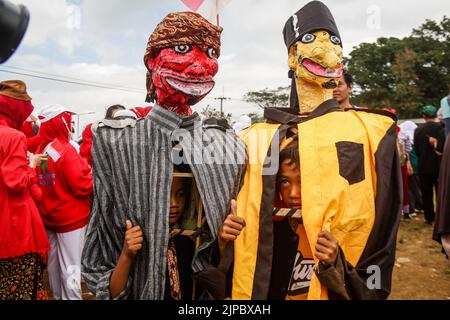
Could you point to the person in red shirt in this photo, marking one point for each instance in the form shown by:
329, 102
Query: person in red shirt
23, 241
141, 112
33, 141
28, 128
88, 138
66, 184
86, 145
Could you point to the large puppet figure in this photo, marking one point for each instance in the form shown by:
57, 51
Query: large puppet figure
350, 183
134, 160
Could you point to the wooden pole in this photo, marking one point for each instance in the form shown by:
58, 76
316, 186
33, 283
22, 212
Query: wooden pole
217, 10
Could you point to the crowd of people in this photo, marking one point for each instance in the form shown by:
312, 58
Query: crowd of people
46, 225
420, 149
112, 208
47, 187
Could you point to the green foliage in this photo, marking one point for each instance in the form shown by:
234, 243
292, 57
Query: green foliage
404, 74
407, 89
269, 98
256, 118
210, 112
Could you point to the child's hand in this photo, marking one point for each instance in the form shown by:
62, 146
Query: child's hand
233, 225
133, 240
327, 248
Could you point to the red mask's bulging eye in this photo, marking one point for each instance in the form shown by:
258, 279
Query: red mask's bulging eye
212, 53
182, 48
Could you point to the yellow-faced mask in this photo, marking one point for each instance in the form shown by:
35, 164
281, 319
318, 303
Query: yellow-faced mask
317, 58
315, 55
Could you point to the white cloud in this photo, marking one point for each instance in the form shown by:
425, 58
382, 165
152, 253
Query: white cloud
49, 23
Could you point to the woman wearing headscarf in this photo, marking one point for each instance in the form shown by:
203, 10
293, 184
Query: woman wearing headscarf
407, 130
23, 242
86, 144
34, 140
66, 184
405, 143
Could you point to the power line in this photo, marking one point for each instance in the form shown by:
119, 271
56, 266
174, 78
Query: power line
86, 83
231, 99
72, 82
70, 78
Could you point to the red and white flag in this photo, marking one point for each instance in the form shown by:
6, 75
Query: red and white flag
210, 9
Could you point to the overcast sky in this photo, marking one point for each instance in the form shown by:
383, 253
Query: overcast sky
104, 42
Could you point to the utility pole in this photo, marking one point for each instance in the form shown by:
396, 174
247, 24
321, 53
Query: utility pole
222, 99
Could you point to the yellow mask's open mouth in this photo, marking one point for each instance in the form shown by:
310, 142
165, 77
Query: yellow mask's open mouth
321, 71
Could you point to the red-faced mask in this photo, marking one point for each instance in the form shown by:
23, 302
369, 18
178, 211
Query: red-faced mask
183, 76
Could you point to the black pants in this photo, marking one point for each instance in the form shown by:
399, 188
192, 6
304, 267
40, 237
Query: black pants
415, 195
428, 183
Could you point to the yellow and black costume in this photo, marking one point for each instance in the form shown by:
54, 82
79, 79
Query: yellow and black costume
351, 187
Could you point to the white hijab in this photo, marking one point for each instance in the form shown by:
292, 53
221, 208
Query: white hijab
407, 130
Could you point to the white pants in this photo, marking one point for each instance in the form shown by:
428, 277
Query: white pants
64, 264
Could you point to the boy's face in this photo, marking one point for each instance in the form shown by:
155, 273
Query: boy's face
177, 200
289, 184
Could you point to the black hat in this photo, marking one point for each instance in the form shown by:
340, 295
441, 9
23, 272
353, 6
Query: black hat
312, 17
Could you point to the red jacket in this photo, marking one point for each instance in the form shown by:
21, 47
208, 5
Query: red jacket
21, 228
141, 112
66, 184
33, 143
28, 129
86, 145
